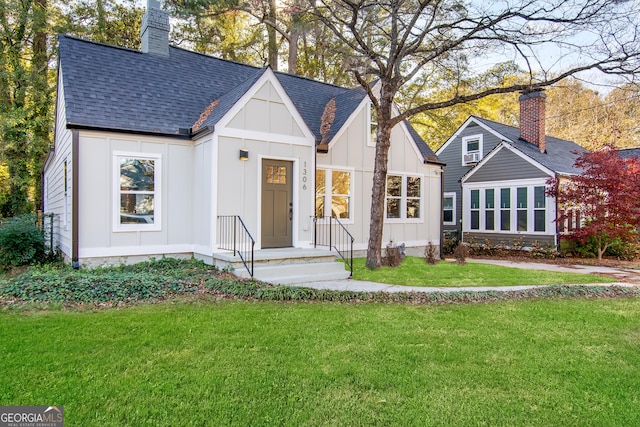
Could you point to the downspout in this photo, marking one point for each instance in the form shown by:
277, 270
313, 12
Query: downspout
441, 210
556, 218
75, 191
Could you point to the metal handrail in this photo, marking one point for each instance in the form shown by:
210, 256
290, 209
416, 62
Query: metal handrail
233, 235
329, 231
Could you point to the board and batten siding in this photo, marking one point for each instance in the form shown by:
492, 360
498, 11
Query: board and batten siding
54, 185
202, 187
266, 113
455, 170
267, 129
97, 237
506, 166
350, 150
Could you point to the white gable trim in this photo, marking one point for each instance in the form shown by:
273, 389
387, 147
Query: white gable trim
364, 106
267, 76
352, 117
517, 152
470, 120
411, 140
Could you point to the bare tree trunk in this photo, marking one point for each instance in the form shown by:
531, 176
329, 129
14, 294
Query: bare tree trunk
378, 193
294, 36
271, 33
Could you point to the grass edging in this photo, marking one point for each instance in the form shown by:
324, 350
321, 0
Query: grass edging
169, 279
263, 292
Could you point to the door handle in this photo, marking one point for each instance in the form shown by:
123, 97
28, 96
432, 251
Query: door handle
290, 211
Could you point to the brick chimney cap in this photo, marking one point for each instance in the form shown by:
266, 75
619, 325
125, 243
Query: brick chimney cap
535, 93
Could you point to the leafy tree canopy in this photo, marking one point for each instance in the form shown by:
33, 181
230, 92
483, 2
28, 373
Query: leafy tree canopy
605, 194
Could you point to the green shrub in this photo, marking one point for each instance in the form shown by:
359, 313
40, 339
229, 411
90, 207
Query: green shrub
450, 244
21, 242
589, 249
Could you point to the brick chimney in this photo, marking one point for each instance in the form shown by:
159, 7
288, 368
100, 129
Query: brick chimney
532, 126
155, 29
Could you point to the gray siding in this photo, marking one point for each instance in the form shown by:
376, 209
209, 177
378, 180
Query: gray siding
506, 165
509, 240
454, 171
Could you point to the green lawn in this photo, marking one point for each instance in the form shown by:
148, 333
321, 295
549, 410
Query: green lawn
416, 272
538, 362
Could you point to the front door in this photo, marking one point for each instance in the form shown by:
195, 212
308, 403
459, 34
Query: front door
277, 206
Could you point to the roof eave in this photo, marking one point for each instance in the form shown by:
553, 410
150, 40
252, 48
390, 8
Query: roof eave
186, 134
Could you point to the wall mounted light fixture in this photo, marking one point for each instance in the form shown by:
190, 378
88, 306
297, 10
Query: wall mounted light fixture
244, 154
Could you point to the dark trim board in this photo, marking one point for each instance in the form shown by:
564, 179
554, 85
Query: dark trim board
75, 202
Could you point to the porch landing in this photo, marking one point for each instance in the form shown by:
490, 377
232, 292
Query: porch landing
287, 265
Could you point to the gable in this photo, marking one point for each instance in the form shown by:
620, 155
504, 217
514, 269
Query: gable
266, 112
505, 165
472, 125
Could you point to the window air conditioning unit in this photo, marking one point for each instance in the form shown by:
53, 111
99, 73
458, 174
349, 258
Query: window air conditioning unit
472, 158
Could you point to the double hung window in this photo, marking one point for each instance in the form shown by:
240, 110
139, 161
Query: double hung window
404, 197
333, 193
137, 191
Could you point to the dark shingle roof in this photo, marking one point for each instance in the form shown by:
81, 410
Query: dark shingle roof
628, 153
560, 155
122, 89
115, 88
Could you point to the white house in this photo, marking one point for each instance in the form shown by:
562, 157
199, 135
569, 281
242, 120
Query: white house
169, 152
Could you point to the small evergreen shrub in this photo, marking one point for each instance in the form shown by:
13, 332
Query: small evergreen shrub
21, 242
450, 244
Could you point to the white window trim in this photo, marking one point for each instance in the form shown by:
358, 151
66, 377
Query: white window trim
466, 139
157, 196
513, 186
328, 186
403, 199
453, 196
370, 141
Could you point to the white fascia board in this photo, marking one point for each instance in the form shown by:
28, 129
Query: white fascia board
365, 104
470, 120
505, 145
267, 76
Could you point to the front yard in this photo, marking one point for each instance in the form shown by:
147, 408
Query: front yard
415, 272
178, 343
212, 362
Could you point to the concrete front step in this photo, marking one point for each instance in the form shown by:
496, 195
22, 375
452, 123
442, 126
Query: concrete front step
287, 266
286, 274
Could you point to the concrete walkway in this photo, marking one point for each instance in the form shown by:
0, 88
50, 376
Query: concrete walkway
632, 278
619, 273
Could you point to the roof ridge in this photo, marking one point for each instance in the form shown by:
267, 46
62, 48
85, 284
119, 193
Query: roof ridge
206, 55
516, 128
314, 80
80, 39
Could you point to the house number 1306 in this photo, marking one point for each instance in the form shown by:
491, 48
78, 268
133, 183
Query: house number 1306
304, 176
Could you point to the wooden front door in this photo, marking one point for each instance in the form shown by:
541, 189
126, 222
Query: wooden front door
277, 205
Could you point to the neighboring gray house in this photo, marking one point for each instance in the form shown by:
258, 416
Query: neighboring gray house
627, 153
495, 178
162, 152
